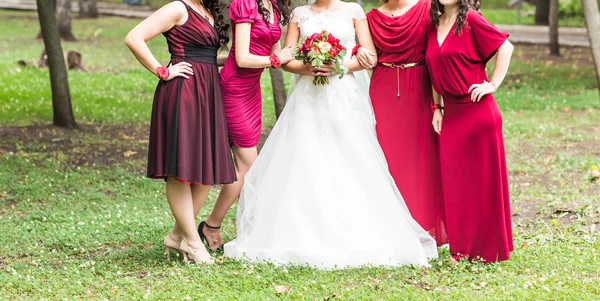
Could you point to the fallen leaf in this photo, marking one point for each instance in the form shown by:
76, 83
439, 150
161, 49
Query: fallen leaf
128, 154
280, 289
126, 137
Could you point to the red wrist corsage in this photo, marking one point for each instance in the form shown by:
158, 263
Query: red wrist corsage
163, 72
435, 106
275, 62
355, 50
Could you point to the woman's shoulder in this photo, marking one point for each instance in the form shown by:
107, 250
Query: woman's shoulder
243, 5
475, 17
299, 13
302, 8
243, 11
355, 10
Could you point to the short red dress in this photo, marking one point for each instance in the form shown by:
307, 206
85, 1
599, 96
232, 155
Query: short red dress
471, 143
402, 99
241, 86
188, 131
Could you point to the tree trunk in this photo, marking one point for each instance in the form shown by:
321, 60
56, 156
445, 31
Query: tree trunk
279, 93
61, 97
592, 22
553, 24
542, 12
277, 81
88, 9
63, 19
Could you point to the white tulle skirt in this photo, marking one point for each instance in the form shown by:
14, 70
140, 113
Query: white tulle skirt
320, 193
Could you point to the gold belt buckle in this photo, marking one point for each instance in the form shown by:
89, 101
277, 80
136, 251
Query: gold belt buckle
401, 66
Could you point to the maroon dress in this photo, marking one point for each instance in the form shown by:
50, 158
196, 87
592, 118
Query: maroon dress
188, 132
402, 100
471, 143
241, 86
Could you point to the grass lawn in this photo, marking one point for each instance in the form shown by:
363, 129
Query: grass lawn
80, 221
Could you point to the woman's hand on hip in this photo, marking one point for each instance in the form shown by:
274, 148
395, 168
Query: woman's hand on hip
478, 91
182, 69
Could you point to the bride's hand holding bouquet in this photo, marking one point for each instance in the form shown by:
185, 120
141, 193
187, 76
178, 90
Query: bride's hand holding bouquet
324, 53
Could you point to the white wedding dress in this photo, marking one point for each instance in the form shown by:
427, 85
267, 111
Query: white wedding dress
320, 193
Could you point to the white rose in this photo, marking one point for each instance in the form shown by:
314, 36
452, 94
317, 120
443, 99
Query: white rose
324, 46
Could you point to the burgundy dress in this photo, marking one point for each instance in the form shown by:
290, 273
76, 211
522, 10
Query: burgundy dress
188, 131
241, 86
402, 101
471, 143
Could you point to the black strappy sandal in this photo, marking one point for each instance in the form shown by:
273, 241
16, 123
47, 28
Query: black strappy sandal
203, 237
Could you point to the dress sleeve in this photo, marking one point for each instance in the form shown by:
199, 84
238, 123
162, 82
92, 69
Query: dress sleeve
297, 14
487, 37
243, 11
357, 12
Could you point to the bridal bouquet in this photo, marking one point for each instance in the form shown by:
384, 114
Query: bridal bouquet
322, 48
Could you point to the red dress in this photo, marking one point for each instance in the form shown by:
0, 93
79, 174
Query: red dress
404, 122
188, 131
471, 143
241, 86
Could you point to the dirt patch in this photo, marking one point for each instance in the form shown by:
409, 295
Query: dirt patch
570, 56
90, 145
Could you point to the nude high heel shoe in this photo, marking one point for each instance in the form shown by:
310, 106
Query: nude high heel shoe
171, 244
192, 255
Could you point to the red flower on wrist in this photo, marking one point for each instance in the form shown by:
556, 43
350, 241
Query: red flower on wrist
275, 62
163, 72
355, 49
435, 106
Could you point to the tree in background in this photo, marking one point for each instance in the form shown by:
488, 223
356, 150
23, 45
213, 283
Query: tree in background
88, 9
553, 24
63, 19
542, 12
59, 81
592, 22
277, 80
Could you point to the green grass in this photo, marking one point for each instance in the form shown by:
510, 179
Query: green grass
93, 231
525, 17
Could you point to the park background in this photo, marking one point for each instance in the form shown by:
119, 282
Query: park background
79, 220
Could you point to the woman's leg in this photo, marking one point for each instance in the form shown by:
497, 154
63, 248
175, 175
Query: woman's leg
180, 199
199, 196
244, 158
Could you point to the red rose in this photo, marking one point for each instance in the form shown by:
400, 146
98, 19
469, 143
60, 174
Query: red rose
331, 40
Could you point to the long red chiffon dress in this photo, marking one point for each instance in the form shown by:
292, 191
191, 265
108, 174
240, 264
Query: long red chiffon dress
188, 131
241, 86
402, 99
472, 147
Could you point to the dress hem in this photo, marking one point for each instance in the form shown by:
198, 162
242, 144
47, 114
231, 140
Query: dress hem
164, 177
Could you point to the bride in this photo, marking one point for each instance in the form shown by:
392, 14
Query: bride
320, 193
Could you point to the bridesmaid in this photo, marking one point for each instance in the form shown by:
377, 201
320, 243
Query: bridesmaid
402, 102
460, 43
189, 146
256, 35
